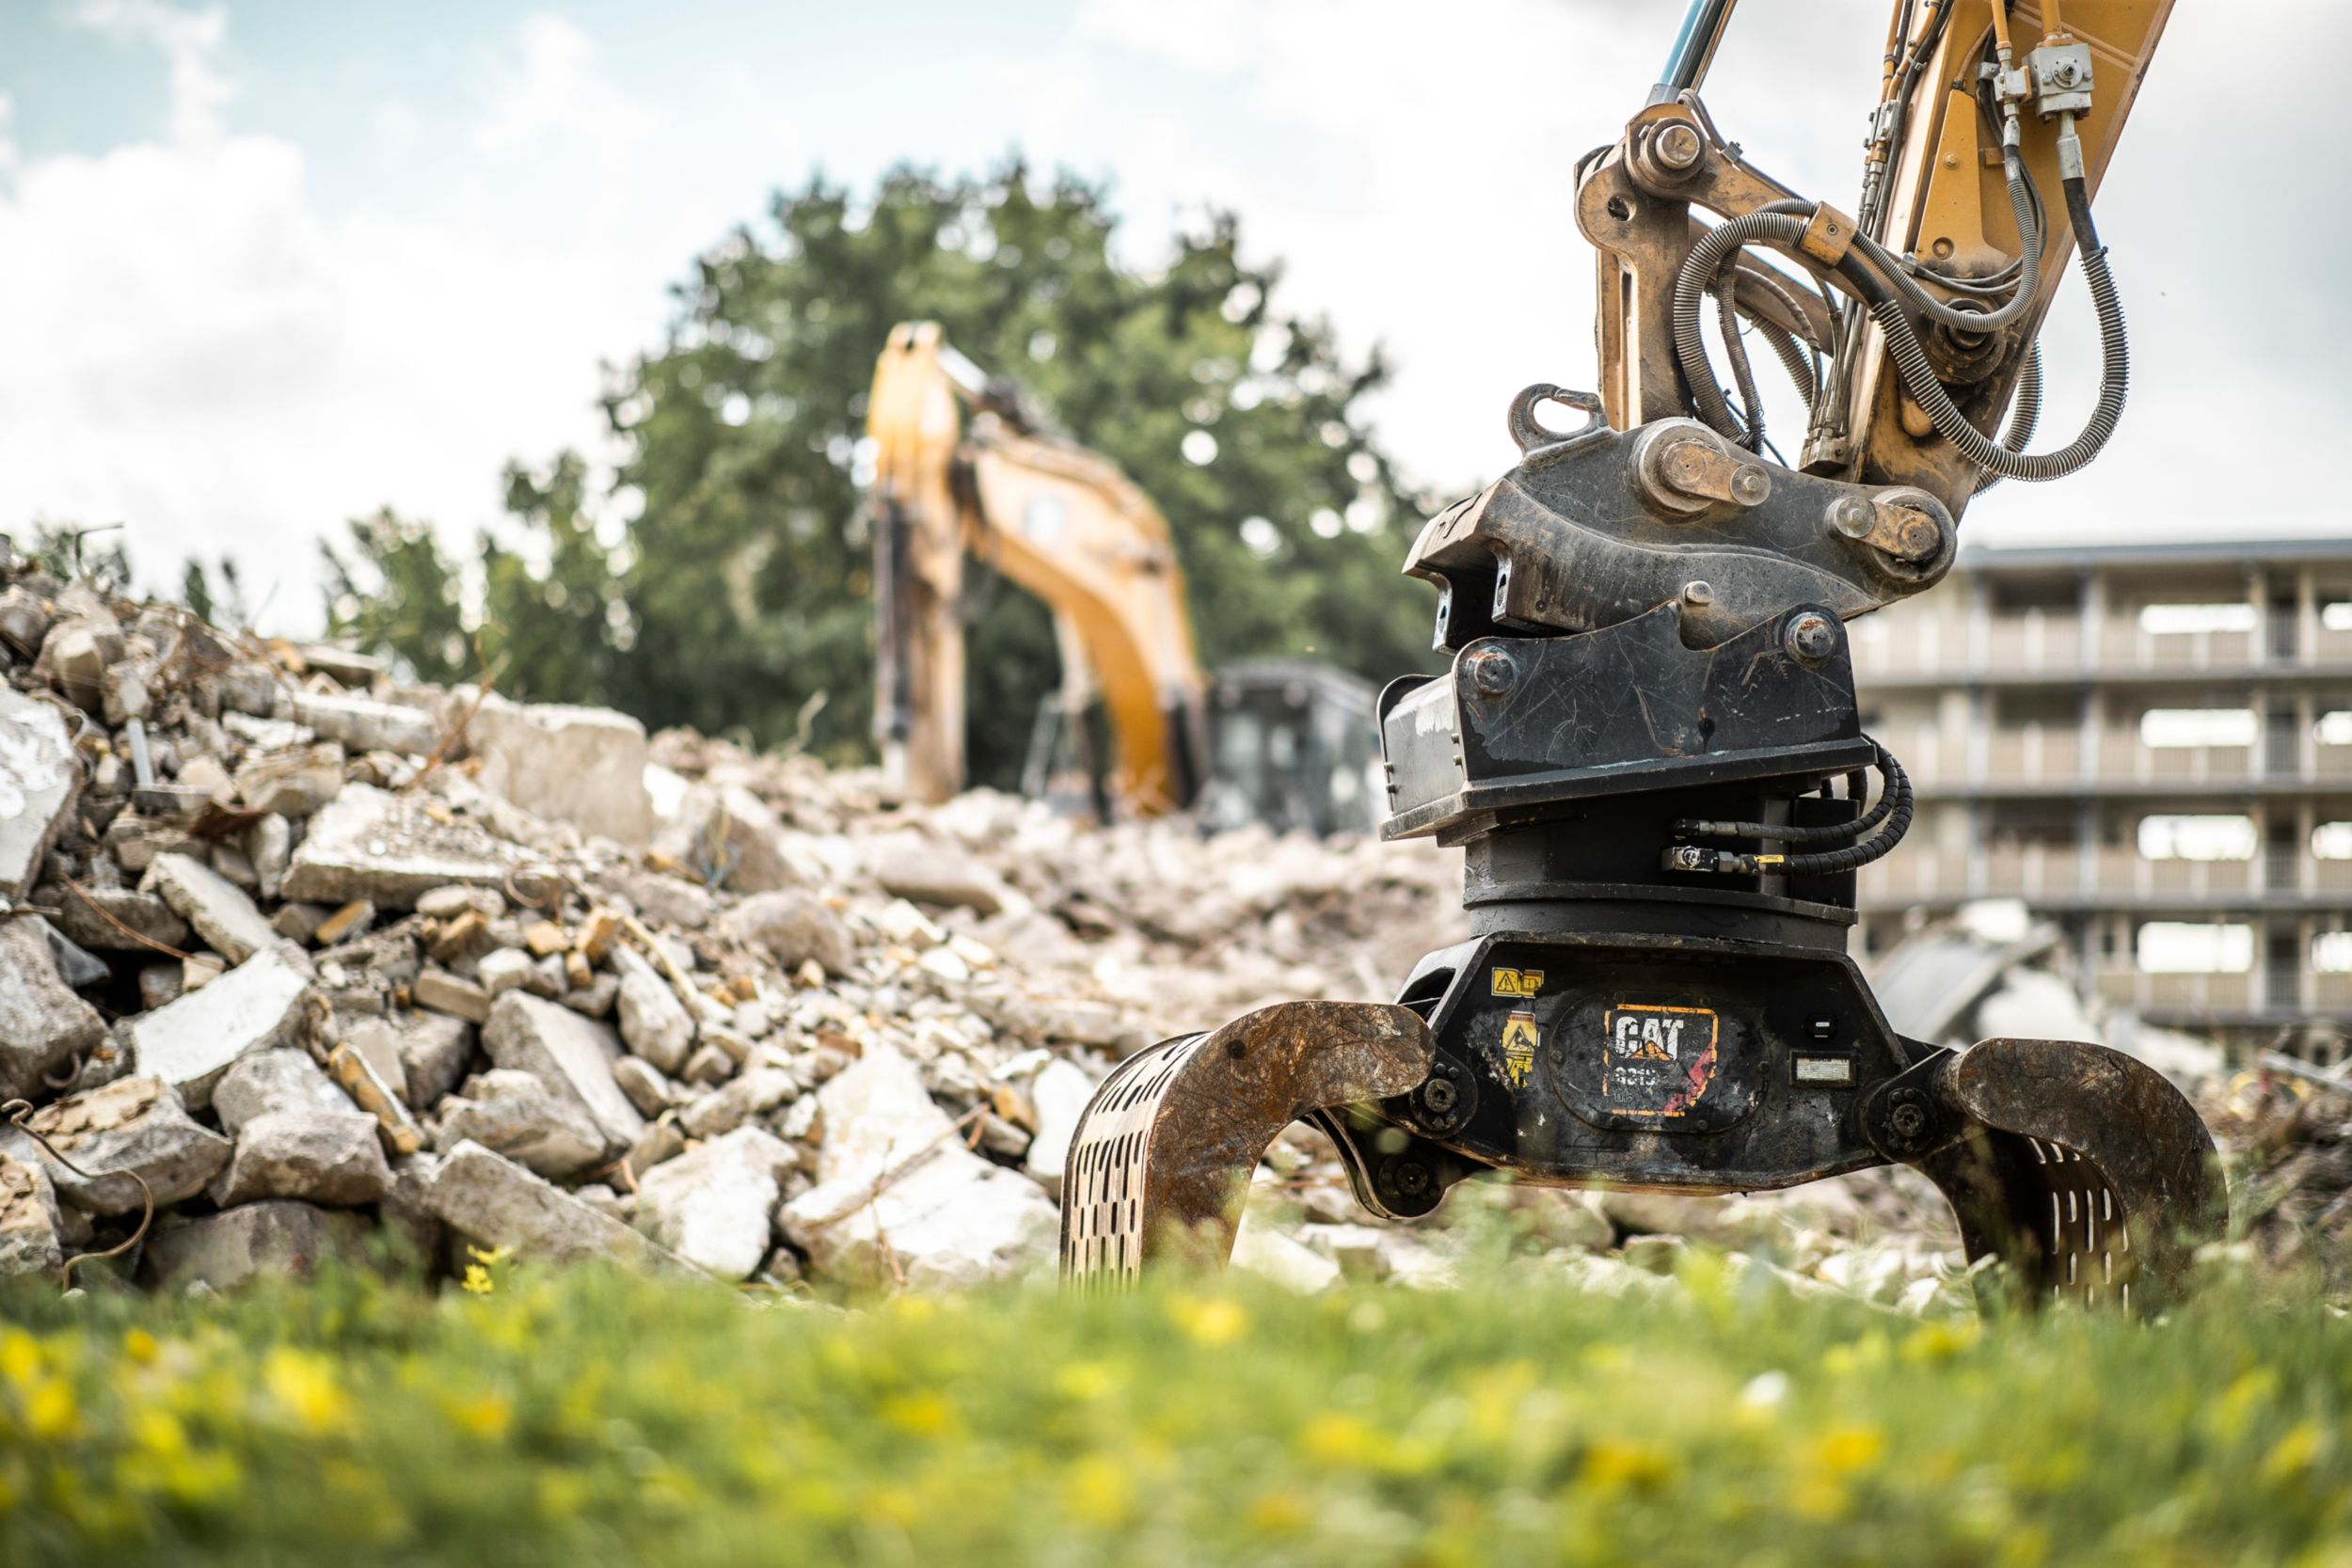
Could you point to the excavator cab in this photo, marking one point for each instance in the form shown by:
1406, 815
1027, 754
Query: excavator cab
1294, 746
1647, 743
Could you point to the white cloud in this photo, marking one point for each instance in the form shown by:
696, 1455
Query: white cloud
554, 87
196, 346
190, 41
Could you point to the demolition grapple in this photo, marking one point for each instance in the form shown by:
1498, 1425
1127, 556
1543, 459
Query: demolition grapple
1660, 830
1647, 742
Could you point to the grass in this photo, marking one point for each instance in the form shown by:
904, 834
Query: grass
590, 1418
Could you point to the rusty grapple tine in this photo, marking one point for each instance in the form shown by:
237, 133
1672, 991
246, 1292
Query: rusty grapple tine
2080, 1167
1161, 1162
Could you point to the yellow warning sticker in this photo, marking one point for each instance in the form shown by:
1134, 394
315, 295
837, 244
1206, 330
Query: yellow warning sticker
1520, 1041
1518, 982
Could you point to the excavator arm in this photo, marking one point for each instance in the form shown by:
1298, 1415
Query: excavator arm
959, 467
1649, 745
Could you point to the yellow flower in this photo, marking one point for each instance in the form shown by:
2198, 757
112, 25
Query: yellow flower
1611, 1465
1088, 1380
304, 1385
1218, 1321
140, 1346
487, 1415
1940, 1342
1099, 1491
2294, 1453
19, 1356
50, 1412
1332, 1438
1842, 1450
927, 1413
477, 1281
1277, 1513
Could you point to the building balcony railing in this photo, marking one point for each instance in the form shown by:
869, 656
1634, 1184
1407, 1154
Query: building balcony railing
2127, 986
2055, 756
2118, 873
1915, 643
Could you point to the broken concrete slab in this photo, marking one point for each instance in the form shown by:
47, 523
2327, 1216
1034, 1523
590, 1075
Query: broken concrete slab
131, 1127
368, 843
292, 783
931, 872
320, 1156
114, 919
282, 1079
278, 1239
898, 1196
223, 914
29, 1220
647, 1088
498, 1203
712, 1206
572, 1055
364, 725
585, 766
39, 780
190, 1043
731, 829
515, 1114
42, 1024
756, 1093
793, 928
452, 995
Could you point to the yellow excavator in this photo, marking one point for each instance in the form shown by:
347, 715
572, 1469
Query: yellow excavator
1648, 744
962, 467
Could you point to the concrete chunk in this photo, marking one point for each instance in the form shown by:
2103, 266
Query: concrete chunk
29, 1220
364, 725
515, 1115
281, 1080
370, 844
39, 778
327, 1157
892, 1175
793, 927
132, 1126
222, 913
190, 1043
430, 1048
572, 1055
711, 1205
42, 1022
654, 1022
931, 872
277, 1240
585, 766
113, 919
498, 1203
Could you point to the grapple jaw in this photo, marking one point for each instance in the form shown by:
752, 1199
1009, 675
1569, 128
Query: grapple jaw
2084, 1171
1160, 1167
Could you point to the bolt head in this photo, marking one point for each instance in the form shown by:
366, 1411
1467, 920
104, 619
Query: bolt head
1918, 536
1439, 1095
1907, 1121
1700, 594
1751, 485
1678, 148
1413, 1177
1851, 516
1491, 671
1811, 637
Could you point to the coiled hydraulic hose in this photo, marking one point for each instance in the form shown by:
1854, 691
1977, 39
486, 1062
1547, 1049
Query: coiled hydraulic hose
2024, 415
1918, 376
1777, 223
1894, 810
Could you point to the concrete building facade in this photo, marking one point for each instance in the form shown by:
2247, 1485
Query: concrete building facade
2150, 745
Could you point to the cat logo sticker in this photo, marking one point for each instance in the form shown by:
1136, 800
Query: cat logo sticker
1521, 983
1657, 1060
1520, 1041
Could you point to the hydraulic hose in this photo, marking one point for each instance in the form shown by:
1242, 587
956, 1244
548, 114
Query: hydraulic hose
2023, 204
1894, 810
1918, 376
2024, 415
1777, 223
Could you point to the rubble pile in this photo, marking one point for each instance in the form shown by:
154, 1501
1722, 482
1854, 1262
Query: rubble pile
310, 960
301, 954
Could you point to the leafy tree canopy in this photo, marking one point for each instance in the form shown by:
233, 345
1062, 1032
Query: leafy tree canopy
723, 579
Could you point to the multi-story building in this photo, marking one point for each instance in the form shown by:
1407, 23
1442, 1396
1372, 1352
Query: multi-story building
2149, 744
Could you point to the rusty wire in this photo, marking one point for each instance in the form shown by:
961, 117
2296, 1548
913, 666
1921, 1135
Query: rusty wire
19, 1113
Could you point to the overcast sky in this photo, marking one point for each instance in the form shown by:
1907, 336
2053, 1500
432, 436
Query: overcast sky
268, 264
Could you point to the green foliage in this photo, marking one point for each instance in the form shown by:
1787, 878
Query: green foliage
739, 586
563, 1419
94, 555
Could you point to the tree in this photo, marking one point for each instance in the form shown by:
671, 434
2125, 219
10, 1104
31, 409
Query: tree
739, 586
